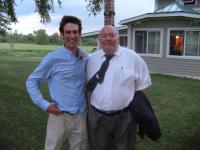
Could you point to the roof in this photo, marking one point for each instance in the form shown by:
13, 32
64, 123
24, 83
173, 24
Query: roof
174, 9
95, 33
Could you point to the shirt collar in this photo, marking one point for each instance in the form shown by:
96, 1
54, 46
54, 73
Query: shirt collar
67, 52
117, 53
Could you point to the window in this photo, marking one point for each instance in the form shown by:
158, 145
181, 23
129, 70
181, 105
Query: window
184, 43
176, 42
192, 46
153, 42
123, 40
140, 41
147, 42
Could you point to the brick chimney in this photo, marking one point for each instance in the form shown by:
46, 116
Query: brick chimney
109, 12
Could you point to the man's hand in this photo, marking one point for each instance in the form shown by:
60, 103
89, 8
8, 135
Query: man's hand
81, 54
54, 109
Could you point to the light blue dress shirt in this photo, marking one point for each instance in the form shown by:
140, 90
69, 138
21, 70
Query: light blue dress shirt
66, 79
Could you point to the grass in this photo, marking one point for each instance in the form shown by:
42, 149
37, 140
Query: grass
22, 125
30, 50
176, 103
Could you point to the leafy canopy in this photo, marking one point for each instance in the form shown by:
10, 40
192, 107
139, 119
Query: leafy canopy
43, 7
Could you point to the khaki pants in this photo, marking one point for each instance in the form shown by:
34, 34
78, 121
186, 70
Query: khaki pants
65, 126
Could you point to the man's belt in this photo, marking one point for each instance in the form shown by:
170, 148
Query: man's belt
111, 113
69, 113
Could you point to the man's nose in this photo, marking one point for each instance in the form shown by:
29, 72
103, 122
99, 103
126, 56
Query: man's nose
72, 34
108, 37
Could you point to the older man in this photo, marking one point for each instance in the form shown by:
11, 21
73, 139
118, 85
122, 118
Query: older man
114, 74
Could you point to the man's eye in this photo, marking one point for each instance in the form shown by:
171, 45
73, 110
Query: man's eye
74, 32
109, 35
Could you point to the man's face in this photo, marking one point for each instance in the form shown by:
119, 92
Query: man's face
71, 36
109, 40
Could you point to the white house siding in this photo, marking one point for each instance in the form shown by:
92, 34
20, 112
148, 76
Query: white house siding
165, 64
180, 67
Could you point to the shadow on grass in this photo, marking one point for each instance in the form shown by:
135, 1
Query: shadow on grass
7, 142
193, 142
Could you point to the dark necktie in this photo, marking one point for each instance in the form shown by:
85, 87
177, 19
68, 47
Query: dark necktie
99, 75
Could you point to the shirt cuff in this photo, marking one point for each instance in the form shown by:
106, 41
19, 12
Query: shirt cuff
144, 86
45, 105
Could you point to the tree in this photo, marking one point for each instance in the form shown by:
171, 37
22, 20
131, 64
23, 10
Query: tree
7, 15
95, 6
55, 39
4, 22
29, 38
41, 37
43, 7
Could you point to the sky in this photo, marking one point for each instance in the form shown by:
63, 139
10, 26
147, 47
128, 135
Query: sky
29, 21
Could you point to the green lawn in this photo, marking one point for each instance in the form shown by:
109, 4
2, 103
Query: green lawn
30, 50
175, 100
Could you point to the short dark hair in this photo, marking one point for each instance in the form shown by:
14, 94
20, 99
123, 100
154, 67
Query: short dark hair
70, 19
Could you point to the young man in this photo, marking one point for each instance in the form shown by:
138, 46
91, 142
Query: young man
110, 124
64, 69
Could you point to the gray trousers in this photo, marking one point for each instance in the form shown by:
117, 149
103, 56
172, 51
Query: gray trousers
117, 132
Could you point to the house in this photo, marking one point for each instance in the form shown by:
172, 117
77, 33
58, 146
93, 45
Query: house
169, 38
122, 35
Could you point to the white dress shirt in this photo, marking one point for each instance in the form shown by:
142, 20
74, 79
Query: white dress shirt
126, 73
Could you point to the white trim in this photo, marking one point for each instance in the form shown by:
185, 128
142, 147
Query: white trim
129, 33
156, 15
150, 55
185, 57
185, 3
197, 9
161, 44
184, 28
168, 42
149, 29
90, 33
122, 27
199, 45
184, 43
156, 5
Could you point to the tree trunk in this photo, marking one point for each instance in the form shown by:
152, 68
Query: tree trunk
109, 12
